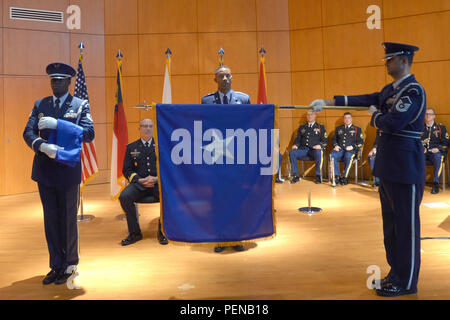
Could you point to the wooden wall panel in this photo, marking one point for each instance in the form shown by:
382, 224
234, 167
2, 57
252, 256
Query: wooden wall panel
121, 17
306, 87
2, 140
241, 52
277, 46
305, 14
434, 78
400, 8
185, 89
429, 32
272, 15
306, 49
22, 92
128, 45
169, 16
94, 54
279, 88
151, 89
226, 16
337, 12
28, 52
92, 16
152, 58
52, 5
247, 83
352, 45
101, 145
354, 81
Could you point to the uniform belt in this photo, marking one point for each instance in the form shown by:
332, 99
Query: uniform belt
405, 134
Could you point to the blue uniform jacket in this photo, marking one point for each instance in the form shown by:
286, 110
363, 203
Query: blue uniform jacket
400, 121
46, 170
236, 98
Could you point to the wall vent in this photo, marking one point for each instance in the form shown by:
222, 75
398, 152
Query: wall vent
36, 15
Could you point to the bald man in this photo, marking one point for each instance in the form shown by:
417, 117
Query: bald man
139, 167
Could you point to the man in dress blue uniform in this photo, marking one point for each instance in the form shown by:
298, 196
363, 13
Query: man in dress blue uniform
139, 167
399, 164
58, 183
435, 140
311, 140
347, 141
225, 95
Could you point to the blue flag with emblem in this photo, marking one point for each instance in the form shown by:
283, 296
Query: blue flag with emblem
216, 168
68, 137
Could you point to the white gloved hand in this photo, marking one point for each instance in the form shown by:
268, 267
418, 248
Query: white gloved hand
49, 149
318, 104
47, 123
372, 110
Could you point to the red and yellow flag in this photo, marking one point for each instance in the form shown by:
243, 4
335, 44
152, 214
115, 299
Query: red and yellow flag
262, 85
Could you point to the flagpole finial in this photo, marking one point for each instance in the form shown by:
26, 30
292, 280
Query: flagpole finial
262, 51
221, 53
119, 55
168, 52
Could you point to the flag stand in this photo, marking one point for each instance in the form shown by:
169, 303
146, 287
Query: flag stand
82, 217
310, 210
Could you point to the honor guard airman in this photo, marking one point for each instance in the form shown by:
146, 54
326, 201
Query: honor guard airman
398, 111
58, 183
435, 140
139, 167
347, 141
225, 95
311, 141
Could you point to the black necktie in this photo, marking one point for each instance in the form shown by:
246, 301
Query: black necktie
147, 144
225, 99
57, 104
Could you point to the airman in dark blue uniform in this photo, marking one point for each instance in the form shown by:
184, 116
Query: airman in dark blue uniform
225, 95
348, 139
58, 183
435, 140
398, 111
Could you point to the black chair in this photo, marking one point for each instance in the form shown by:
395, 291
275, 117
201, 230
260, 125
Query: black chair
308, 158
146, 199
354, 163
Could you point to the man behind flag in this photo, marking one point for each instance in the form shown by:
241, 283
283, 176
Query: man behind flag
119, 137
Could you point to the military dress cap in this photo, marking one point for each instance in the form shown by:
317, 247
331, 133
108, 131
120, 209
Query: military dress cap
58, 70
393, 49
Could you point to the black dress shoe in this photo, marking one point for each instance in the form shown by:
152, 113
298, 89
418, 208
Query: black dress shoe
50, 277
161, 239
219, 249
239, 248
344, 181
375, 184
318, 179
62, 277
383, 282
435, 188
132, 238
295, 179
392, 290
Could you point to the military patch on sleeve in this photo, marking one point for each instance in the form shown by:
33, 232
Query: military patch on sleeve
325, 135
403, 104
446, 135
88, 115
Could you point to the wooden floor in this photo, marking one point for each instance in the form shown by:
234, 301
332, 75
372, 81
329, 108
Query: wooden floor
324, 256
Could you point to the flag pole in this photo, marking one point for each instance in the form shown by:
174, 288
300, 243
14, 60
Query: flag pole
82, 217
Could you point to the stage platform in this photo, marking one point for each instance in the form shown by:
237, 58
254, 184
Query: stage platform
323, 256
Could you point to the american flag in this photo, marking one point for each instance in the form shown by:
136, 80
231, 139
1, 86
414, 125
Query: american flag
89, 164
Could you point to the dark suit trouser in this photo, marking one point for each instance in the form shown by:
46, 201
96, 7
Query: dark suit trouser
60, 206
401, 227
437, 160
128, 197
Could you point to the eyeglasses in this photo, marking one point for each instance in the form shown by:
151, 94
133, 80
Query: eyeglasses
429, 114
146, 126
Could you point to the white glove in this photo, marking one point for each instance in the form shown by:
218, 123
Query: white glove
372, 110
49, 149
318, 104
47, 123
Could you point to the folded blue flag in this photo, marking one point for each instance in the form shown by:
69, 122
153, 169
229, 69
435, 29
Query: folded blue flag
216, 171
69, 137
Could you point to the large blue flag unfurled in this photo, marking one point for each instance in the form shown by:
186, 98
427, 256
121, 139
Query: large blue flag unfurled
216, 170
